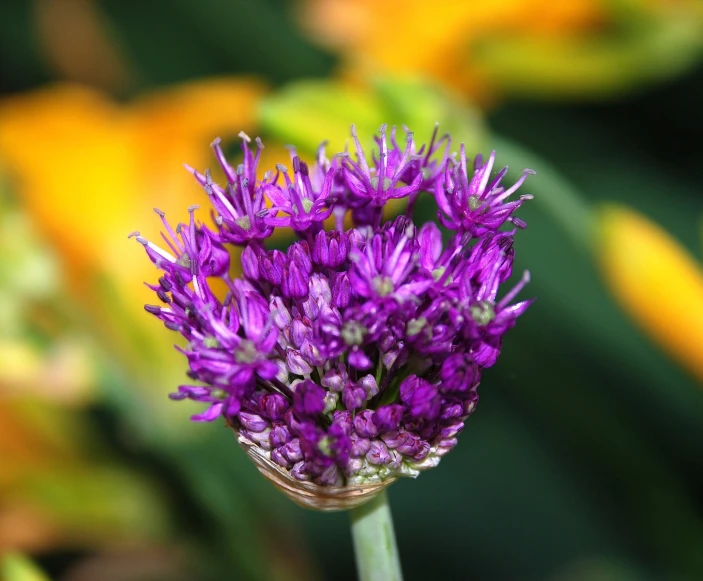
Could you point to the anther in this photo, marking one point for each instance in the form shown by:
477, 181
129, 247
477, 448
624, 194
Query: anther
163, 296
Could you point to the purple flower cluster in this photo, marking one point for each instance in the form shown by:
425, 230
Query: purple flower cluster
354, 355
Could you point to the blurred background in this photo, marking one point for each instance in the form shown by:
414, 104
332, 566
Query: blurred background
584, 461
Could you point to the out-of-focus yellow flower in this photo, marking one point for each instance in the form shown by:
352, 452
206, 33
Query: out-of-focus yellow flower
85, 171
89, 171
547, 49
657, 282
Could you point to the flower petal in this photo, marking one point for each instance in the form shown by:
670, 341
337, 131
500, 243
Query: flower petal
656, 281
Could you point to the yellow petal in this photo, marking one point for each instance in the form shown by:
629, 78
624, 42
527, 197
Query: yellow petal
68, 149
195, 113
551, 49
89, 171
434, 42
657, 282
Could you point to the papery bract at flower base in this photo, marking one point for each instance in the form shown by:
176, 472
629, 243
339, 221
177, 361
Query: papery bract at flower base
353, 357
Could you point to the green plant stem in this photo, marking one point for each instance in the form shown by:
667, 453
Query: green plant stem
374, 541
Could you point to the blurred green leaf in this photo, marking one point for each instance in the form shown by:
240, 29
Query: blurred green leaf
420, 105
15, 567
640, 50
104, 502
307, 113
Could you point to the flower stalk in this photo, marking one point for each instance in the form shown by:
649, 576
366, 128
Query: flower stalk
374, 541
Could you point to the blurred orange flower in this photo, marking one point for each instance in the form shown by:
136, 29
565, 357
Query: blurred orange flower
85, 171
485, 47
89, 170
656, 281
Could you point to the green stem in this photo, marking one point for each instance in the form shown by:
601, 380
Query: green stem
374, 541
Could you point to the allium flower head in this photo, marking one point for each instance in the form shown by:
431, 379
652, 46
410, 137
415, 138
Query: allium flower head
354, 356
